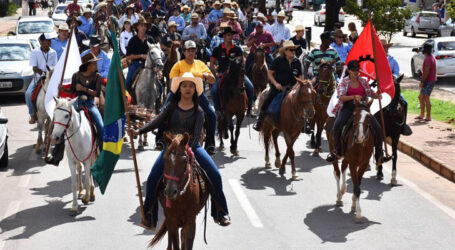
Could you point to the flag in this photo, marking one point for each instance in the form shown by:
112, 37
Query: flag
114, 122
72, 66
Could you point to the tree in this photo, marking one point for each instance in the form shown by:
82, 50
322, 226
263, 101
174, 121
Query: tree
388, 16
332, 8
451, 9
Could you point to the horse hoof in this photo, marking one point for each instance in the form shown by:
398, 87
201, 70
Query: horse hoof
339, 203
268, 165
85, 200
358, 220
282, 171
221, 147
92, 198
315, 153
379, 176
394, 182
235, 152
295, 178
353, 209
73, 212
277, 163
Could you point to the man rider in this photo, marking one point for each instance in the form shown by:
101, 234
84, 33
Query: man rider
279, 31
341, 48
263, 38
215, 13
104, 62
171, 37
59, 43
196, 31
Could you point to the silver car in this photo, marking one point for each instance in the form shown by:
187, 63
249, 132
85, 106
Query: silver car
443, 51
15, 71
423, 22
447, 29
319, 16
3, 140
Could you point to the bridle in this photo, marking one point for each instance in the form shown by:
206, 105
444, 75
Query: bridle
360, 124
154, 61
305, 116
326, 83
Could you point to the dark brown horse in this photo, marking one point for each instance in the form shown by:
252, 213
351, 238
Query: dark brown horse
259, 71
324, 91
182, 198
172, 58
296, 108
233, 101
359, 144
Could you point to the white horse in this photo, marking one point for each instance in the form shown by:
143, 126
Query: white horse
43, 118
74, 128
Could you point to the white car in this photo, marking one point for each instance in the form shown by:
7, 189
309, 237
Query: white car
59, 15
3, 140
443, 51
319, 16
82, 3
298, 4
33, 27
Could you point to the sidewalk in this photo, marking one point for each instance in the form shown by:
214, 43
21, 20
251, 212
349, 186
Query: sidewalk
432, 143
8, 23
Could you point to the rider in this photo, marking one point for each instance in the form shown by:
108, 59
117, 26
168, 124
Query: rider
263, 38
181, 115
298, 39
353, 88
87, 82
279, 31
225, 53
405, 129
73, 9
104, 62
196, 31
86, 22
41, 59
137, 50
341, 48
235, 25
171, 37
283, 72
129, 15
215, 13
59, 43
177, 19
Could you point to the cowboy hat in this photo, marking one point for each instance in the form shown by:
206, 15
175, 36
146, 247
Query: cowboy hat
185, 7
288, 45
227, 2
187, 76
260, 15
385, 44
47, 36
338, 33
131, 6
224, 25
226, 11
63, 26
199, 3
87, 10
194, 15
281, 14
227, 30
101, 5
171, 23
299, 28
217, 3
94, 41
88, 58
141, 20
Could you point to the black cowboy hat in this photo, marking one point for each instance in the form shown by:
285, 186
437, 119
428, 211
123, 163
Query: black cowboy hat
353, 65
88, 58
140, 21
227, 30
94, 41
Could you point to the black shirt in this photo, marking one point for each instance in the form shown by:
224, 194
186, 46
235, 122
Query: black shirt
302, 43
169, 38
285, 72
137, 47
153, 34
222, 55
92, 82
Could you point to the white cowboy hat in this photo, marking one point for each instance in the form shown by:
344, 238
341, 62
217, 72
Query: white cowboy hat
281, 14
287, 45
187, 76
299, 28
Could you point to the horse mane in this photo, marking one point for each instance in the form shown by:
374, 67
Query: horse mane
231, 80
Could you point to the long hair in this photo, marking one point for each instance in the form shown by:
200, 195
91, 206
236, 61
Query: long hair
178, 95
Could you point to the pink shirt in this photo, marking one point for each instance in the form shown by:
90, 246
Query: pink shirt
356, 91
264, 37
430, 61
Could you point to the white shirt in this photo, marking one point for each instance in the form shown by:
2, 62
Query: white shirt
280, 32
122, 20
242, 16
267, 27
40, 59
125, 37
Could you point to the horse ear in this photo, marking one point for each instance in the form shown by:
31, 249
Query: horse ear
167, 138
400, 78
186, 138
71, 103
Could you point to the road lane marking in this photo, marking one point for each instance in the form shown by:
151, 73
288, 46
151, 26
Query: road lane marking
246, 205
2, 244
12, 210
24, 180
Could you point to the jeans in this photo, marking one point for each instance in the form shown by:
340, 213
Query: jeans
95, 115
272, 93
210, 168
250, 60
209, 114
209, 53
134, 66
216, 97
28, 96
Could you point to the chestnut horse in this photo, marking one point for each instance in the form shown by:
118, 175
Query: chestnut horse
233, 101
183, 196
359, 145
259, 71
296, 108
324, 91
172, 58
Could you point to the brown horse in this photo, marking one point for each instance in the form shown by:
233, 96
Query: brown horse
259, 71
233, 101
296, 108
183, 197
359, 144
324, 91
172, 58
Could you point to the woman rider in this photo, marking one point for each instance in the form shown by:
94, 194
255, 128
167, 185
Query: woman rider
137, 50
354, 88
183, 114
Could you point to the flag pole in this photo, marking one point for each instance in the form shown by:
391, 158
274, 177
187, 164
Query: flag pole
133, 150
379, 89
51, 127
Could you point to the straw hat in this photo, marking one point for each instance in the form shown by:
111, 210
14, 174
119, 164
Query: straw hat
63, 26
187, 76
261, 16
131, 6
299, 28
185, 7
194, 15
226, 11
281, 14
287, 45
224, 25
227, 2
87, 10
199, 3
101, 5
216, 3
88, 58
385, 44
338, 33
171, 23
141, 20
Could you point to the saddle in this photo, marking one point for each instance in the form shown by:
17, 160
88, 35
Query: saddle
35, 92
344, 132
275, 106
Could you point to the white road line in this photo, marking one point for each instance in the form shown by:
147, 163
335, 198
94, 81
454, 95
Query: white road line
12, 210
449, 211
24, 180
246, 205
2, 244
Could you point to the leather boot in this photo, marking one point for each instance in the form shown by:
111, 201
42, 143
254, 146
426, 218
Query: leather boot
32, 119
258, 125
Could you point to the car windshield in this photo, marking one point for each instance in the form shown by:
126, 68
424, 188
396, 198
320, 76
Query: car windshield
446, 45
14, 52
60, 9
35, 27
429, 15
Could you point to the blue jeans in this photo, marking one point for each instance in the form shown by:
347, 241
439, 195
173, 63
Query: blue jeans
134, 66
250, 60
210, 168
95, 115
28, 96
216, 97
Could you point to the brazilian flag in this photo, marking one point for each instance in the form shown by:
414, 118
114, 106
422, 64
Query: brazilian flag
114, 122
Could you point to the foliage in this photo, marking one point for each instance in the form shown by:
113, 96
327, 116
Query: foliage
7, 8
451, 9
12, 9
388, 16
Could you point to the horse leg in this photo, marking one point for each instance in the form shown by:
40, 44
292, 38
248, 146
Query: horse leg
344, 166
337, 174
291, 155
220, 131
86, 198
189, 232
140, 143
394, 181
317, 147
145, 143
266, 134
233, 147
79, 179
275, 134
174, 236
92, 189
39, 141
237, 134
72, 166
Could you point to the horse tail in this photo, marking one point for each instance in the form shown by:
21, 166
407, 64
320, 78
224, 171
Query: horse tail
159, 235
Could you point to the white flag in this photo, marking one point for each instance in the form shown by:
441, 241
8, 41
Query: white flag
72, 66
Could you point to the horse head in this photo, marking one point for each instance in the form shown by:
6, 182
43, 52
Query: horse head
306, 95
177, 163
236, 71
362, 121
326, 80
63, 114
154, 58
259, 55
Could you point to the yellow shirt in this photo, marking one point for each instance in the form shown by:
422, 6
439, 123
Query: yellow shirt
181, 67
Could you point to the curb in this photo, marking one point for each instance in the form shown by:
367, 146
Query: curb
426, 159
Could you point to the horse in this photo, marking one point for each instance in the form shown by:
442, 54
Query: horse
75, 130
296, 108
145, 83
172, 58
42, 117
358, 150
393, 122
324, 90
259, 71
183, 197
233, 100
103, 33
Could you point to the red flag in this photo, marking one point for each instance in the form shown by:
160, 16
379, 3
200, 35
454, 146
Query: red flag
363, 52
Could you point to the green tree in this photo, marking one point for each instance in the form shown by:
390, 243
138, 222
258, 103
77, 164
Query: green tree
451, 9
388, 16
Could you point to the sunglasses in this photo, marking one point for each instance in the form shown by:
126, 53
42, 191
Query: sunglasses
292, 50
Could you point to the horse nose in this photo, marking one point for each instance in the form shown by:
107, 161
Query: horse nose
170, 193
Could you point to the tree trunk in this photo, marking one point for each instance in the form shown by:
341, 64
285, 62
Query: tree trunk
261, 7
331, 15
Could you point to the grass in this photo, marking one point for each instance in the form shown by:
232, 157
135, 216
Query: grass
443, 111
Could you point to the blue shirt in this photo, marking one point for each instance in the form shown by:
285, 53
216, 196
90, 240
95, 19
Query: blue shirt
216, 41
179, 21
199, 31
393, 66
103, 64
342, 50
58, 46
215, 15
117, 2
86, 26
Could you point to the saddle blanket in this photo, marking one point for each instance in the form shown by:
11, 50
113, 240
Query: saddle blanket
275, 106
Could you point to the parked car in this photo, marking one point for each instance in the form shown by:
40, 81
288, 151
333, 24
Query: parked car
270, 4
59, 15
443, 51
15, 72
82, 3
319, 16
447, 29
423, 22
33, 27
298, 4
3, 140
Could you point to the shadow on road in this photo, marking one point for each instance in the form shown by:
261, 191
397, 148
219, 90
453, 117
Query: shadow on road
39, 219
331, 224
374, 187
54, 189
221, 158
260, 179
136, 218
20, 163
305, 162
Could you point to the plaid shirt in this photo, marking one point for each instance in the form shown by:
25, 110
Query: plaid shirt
342, 90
